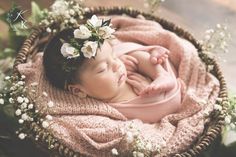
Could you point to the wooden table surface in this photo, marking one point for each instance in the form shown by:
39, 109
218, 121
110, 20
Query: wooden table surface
195, 16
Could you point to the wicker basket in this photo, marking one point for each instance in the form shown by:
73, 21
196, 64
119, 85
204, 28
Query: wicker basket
37, 40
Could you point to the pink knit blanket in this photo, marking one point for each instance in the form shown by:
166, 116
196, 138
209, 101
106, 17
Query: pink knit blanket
96, 129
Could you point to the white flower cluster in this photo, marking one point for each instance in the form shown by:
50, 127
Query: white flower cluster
230, 118
64, 11
216, 40
24, 100
96, 30
152, 5
139, 146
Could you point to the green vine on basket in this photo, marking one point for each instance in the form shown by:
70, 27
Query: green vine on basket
152, 5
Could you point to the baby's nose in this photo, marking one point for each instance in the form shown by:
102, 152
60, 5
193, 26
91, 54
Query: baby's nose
115, 66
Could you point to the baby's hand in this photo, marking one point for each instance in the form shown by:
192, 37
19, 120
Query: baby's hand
130, 62
158, 55
139, 82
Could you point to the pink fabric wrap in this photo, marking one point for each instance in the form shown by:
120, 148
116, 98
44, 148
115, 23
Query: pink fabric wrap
93, 128
152, 108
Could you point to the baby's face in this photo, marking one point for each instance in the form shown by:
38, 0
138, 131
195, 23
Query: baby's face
104, 76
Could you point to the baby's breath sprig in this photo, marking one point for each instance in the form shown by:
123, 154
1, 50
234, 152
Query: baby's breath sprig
152, 5
139, 147
24, 98
216, 40
64, 13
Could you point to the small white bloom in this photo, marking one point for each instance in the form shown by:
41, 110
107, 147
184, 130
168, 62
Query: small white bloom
129, 137
140, 154
1, 101
89, 49
82, 33
68, 51
59, 7
20, 99
228, 119
149, 146
22, 136
24, 116
218, 25
49, 30
18, 112
217, 107
23, 105
21, 121
209, 31
45, 124
232, 125
219, 99
71, 11
105, 32
49, 117
114, 151
94, 21
50, 104
7, 77
30, 106
207, 37
21, 83
26, 100
45, 94
11, 100
34, 84
23, 76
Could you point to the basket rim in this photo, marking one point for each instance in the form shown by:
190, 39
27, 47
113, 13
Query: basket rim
207, 137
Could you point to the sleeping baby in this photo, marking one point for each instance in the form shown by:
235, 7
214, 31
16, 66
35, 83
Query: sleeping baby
135, 79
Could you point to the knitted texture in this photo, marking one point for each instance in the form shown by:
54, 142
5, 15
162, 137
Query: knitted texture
93, 128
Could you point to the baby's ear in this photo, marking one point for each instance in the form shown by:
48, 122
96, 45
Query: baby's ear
74, 89
77, 90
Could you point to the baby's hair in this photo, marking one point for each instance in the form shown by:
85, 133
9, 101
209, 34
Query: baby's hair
54, 62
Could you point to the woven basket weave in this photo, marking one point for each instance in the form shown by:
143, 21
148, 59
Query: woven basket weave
37, 40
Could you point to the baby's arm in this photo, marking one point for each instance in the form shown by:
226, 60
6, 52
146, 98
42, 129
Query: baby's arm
162, 79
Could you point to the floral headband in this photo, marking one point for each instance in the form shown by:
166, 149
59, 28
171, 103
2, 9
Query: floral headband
91, 35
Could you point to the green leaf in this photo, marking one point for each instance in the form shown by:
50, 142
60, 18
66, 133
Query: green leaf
36, 13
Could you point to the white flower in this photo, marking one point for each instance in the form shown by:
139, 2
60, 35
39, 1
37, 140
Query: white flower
105, 32
49, 30
1, 101
22, 136
21, 83
82, 33
228, 119
34, 84
49, 117
26, 100
30, 106
137, 154
114, 151
217, 107
23, 105
7, 77
45, 94
94, 21
24, 116
50, 104
18, 112
68, 51
11, 100
89, 48
59, 7
129, 137
45, 124
21, 121
20, 99
232, 125
23, 76
149, 146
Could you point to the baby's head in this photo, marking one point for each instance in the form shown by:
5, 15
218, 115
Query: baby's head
102, 76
